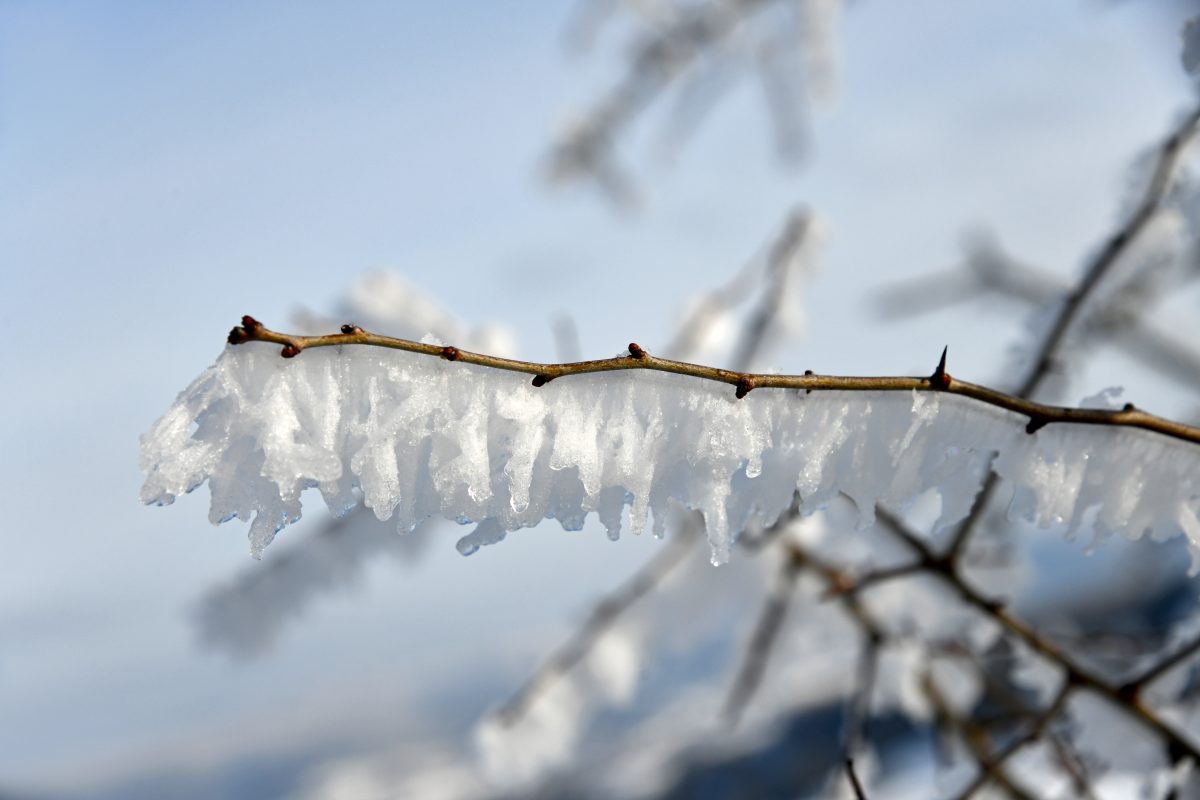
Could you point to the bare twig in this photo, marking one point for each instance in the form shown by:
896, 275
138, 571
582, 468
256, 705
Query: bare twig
1133, 686
1039, 414
859, 793
977, 740
1077, 675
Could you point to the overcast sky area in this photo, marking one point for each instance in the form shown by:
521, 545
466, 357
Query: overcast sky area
166, 168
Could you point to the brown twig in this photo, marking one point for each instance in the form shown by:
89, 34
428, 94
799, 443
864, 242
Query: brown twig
1077, 675
1039, 414
977, 740
1134, 686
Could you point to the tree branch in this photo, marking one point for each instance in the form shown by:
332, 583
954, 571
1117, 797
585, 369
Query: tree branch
1039, 414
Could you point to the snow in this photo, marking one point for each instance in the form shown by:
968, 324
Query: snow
414, 437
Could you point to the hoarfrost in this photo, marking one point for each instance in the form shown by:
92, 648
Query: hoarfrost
415, 437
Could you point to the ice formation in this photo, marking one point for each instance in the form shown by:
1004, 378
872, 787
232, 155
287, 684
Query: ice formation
413, 436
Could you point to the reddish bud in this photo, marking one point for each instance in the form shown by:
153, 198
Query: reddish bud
237, 336
744, 387
450, 353
348, 329
636, 350
541, 380
1129, 407
1035, 424
250, 323
289, 351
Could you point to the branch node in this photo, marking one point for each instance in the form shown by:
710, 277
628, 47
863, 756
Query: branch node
994, 605
289, 351
1128, 692
636, 350
745, 385
450, 353
940, 379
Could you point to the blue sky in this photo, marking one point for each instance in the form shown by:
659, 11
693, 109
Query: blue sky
167, 168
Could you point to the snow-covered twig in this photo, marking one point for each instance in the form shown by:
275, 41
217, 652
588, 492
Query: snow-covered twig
1039, 415
783, 254
1074, 304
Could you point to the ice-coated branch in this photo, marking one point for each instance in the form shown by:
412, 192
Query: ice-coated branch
782, 259
1038, 414
420, 429
1077, 300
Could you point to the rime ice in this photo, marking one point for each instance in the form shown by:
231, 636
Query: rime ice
414, 436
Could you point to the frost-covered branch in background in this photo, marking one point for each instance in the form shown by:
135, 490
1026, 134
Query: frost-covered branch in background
696, 50
244, 615
1123, 322
784, 264
464, 436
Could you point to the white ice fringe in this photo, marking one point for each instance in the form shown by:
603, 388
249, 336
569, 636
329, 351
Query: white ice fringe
413, 436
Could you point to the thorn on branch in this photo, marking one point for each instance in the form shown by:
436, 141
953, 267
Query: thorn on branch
450, 353
289, 351
636, 350
541, 380
940, 379
744, 386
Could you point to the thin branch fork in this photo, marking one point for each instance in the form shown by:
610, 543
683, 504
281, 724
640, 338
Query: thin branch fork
1169, 155
1039, 414
1077, 675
